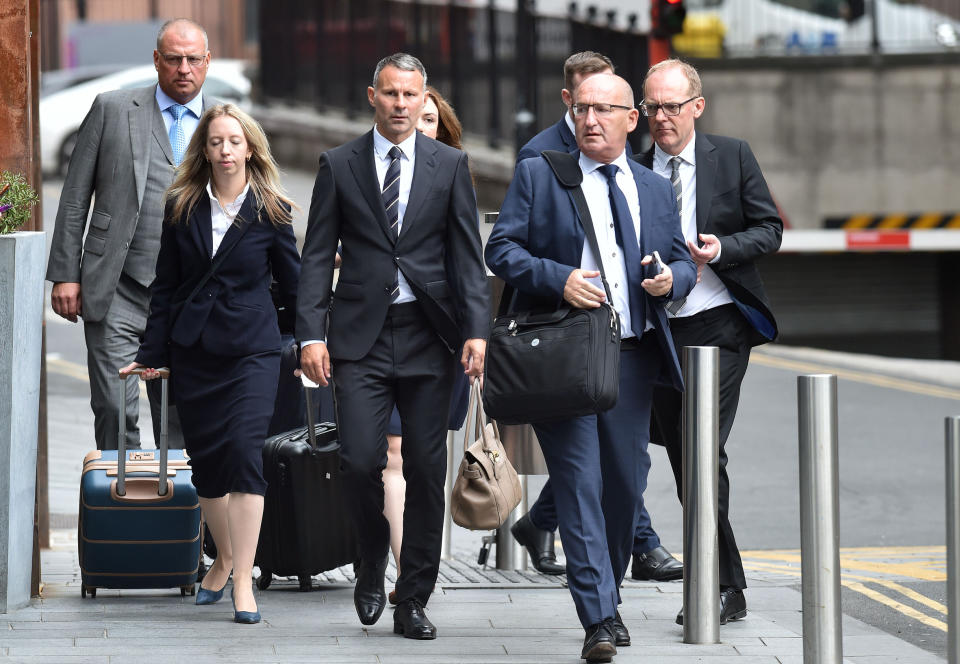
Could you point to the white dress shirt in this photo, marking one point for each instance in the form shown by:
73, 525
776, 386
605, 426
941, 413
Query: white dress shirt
189, 120
710, 292
381, 160
596, 192
221, 218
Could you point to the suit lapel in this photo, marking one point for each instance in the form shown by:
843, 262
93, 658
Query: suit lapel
706, 175
361, 165
246, 217
141, 121
646, 214
160, 132
202, 226
568, 138
424, 171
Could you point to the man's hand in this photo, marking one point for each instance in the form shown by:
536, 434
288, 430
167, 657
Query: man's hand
706, 253
660, 284
582, 294
146, 373
315, 362
472, 357
66, 300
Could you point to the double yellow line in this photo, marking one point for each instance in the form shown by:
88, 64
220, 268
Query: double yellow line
78, 371
927, 565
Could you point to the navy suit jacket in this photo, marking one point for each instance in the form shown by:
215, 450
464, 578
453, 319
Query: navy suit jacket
233, 314
555, 137
734, 203
538, 240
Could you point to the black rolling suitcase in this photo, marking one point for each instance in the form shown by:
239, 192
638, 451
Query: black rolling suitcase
305, 527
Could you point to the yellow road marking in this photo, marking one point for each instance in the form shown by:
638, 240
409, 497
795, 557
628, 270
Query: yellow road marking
850, 562
908, 611
857, 376
78, 371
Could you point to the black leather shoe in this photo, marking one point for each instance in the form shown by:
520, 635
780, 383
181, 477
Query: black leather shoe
656, 565
599, 645
369, 597
539, 544
411, 620
733, 606
620, 633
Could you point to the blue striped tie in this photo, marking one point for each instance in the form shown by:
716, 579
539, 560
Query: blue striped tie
391, 203
178, 137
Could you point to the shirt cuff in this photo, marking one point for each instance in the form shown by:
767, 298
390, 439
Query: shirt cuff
716, 259
304, 344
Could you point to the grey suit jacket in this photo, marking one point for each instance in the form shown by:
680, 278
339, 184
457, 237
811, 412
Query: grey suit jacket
112, 158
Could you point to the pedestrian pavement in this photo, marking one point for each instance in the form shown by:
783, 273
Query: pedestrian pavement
482, 614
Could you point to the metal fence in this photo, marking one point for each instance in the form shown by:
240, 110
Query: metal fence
482, 58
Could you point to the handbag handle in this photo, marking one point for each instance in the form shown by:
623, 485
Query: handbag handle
477, 416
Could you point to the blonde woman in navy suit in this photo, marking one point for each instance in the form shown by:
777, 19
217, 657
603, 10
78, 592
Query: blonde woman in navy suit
223, 346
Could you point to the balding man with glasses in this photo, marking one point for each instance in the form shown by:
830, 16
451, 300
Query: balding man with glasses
598, 463
729, 221
126, 151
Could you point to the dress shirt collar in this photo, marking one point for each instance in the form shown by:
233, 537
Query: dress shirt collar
164, 101
233, 206
687, 155
381, 146
588, 165
569, 120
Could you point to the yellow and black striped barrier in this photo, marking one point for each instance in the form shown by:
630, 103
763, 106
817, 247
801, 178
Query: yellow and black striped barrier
895, 221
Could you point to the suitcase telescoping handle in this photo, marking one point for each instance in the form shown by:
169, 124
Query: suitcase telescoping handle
308, 386
122, 441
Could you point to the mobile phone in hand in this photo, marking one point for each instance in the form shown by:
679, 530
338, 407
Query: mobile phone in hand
656, 265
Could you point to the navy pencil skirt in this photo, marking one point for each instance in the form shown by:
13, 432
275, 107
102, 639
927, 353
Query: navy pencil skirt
225, 405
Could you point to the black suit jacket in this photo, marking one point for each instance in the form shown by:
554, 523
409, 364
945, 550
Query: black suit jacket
439, 236
233, 314
555, 137
734, 203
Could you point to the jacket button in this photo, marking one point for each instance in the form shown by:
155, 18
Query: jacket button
386, 289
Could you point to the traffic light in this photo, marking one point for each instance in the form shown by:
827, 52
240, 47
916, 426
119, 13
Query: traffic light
666, 17
853, 9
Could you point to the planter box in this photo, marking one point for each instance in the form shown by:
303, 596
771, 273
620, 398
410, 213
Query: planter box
22, 262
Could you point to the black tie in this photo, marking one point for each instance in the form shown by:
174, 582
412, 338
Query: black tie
632, 254
391, 203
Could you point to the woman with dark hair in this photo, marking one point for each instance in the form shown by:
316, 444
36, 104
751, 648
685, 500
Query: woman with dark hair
221, 340
438, 121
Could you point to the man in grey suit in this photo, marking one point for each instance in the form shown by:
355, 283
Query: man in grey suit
126, 151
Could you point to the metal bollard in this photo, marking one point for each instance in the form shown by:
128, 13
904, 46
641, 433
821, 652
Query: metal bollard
510, 554
447, 491
953, 538
819, 519
701, 452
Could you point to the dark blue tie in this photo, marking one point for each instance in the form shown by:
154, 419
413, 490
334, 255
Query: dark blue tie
391, 203
632, 253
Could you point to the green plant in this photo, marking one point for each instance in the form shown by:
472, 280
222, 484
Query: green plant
17, 199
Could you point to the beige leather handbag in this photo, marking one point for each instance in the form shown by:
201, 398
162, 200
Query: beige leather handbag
487, 488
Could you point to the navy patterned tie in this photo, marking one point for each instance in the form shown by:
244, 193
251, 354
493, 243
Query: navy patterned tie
178, 137
632, 253
675, 306
391, 203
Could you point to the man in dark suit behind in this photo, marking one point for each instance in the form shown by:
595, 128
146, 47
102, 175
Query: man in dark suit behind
729, 220
404, 209
535, 529
598, 464
127, 149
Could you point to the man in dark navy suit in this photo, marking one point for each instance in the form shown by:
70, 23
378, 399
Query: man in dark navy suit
535, 529
729, 221
598, 464
412, 299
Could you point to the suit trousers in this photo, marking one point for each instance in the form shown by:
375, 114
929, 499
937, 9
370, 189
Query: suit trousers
113, 343
411, 367
598, 467
726, 328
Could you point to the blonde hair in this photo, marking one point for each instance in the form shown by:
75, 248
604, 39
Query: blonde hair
190, 181
693, 78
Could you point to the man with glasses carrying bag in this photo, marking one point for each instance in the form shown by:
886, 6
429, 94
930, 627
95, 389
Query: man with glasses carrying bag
598, 462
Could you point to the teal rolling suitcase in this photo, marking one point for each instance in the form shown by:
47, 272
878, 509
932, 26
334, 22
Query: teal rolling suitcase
134, 530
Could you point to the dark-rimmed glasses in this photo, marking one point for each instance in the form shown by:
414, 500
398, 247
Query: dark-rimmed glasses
670, 108
599, 109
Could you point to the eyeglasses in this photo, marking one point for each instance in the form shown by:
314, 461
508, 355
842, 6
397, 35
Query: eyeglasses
174, 60
670, 108
599, 109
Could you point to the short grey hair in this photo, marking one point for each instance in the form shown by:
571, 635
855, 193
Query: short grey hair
403, 62
695, 88
193, 24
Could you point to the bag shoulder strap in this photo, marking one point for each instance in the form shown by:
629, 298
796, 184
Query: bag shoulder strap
567, 169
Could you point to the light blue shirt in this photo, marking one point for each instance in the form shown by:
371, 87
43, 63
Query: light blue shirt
381, 161
190, 120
